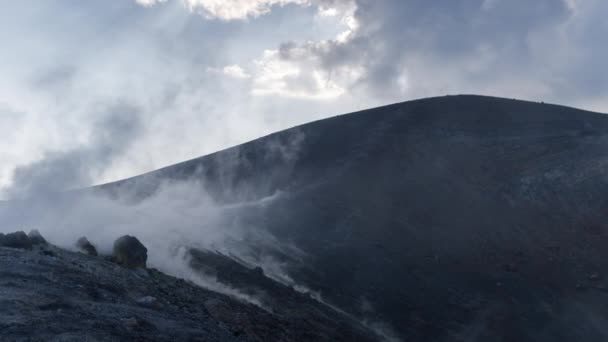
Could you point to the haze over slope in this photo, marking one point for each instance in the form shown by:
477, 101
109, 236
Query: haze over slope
459, 217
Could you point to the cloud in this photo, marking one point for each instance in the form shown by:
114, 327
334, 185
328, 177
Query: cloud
395, 50
251, 9
298, 71
310, 59
304, 70
239, 9
61, 170
149, 2
234, 71
231, 10
155, 59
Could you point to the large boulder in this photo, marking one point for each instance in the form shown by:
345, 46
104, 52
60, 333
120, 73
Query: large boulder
86, 247
129, 252
36, 238
16, 240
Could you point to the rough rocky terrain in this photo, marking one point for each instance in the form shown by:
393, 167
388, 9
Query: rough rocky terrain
454, 218
460, 218
49, 294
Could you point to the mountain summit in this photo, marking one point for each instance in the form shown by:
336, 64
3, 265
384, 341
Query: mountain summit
457, 218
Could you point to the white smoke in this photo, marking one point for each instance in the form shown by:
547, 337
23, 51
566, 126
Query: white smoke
167, 216
178, 217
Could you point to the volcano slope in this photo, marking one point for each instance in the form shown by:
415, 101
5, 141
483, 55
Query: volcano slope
50, 294
454, 218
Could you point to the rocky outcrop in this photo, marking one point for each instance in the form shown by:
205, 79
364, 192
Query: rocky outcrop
15, 240
36, 238
86, 247
129, 252
48, 294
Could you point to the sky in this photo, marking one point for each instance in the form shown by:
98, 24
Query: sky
99, 90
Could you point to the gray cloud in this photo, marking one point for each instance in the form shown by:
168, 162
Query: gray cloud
69, 58
550, 50
118, 126
468, 38
288, 65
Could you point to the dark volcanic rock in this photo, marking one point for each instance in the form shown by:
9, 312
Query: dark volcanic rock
303, 313
86, 247
16, 240
36, 238
65, 296
129, 252
406, 214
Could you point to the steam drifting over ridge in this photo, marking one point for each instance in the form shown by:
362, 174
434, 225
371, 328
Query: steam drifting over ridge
169, 216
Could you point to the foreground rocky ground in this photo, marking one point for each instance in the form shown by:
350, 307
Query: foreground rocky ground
49, 294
